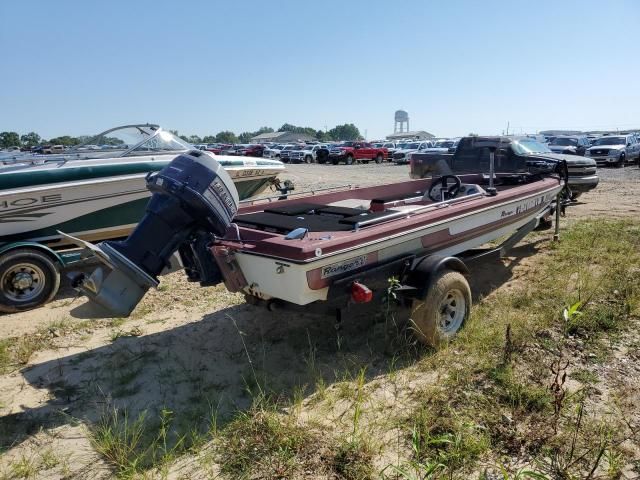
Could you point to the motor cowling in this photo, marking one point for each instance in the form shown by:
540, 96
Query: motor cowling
192, 197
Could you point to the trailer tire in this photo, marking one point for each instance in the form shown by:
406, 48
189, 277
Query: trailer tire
445, 308
28, 279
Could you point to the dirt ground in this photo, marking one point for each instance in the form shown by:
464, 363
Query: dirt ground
184, 345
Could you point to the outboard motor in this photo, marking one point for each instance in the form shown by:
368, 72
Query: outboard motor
193, 198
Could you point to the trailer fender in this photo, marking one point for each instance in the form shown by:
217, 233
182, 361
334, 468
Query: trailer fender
425, 269
33, 245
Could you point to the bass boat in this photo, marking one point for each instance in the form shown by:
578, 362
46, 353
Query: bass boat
326, 250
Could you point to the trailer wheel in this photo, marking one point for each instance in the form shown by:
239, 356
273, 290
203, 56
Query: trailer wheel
445, 308
28, 279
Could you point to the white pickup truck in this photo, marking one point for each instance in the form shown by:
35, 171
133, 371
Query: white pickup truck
306, 154
615, 150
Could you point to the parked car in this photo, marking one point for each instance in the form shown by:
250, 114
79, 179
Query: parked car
445, 145
537, 137
517, 151
390, 146
322, 154
350, 152
615, 150
401, 155
252, 150
306, 154
570, 144
51, 149
273, 151
285, 153
218, 148
233, 149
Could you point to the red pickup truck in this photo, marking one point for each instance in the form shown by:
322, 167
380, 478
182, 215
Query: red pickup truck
349, 152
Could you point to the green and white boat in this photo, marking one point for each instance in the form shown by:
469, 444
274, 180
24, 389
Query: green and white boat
97, 190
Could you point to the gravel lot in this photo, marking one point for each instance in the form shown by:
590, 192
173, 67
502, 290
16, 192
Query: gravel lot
617, 195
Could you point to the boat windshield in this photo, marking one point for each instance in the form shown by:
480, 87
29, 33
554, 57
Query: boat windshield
163, 141
133, 140
527, 146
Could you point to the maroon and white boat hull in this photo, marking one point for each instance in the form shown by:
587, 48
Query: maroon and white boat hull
301, 271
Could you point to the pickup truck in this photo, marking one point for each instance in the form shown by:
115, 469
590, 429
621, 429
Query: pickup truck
515, 153
287, 151
401, 154
273, 151
390, 146
306, 154
350, 152
615, 149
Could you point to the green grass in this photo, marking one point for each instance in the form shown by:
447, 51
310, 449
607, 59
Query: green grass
353, 459
17, 351
492, 401
263, 440
519, 395
442, 436
136, 444
594, 268
584, 376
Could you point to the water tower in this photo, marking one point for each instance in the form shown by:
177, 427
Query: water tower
402, 122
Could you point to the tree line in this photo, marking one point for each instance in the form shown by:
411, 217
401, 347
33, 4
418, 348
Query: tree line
347, 131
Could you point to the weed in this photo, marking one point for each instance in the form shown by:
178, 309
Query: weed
261, 440
559, 371
134, 332
353, 460
117, 322
414, 470
48, 459
521, 474
519, 395
24, 468
584, 376
134, 445
5, 355
441, 437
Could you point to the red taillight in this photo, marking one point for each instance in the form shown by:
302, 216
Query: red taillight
360, 293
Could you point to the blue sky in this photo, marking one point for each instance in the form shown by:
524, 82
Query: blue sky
79, 67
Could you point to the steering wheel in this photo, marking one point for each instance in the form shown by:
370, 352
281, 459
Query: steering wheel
441, 184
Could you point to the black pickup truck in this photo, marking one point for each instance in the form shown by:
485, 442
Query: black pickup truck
512, 153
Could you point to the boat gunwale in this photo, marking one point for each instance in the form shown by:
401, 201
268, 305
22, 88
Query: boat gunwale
423, 226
